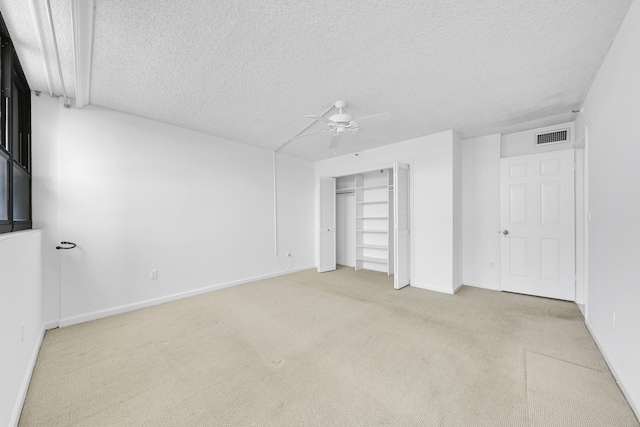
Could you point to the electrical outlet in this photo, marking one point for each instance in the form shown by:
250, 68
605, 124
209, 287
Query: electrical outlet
153, 275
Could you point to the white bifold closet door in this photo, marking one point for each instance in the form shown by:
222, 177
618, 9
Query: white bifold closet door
326, 224
401, 241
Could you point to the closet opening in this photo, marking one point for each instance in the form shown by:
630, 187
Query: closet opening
363, 222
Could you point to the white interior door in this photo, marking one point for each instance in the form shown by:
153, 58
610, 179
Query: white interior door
537, 223
401, 242
326, 224
346, 229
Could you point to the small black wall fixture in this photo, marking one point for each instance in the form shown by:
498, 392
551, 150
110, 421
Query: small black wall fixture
73, 245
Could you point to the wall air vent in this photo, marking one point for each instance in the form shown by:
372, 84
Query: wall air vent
553, 137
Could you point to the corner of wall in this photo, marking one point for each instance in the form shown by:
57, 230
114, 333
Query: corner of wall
632, 399
611, 112
458, 260
481, 193
46, 195
449, 290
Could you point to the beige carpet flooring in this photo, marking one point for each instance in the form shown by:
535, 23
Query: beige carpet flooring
333, 349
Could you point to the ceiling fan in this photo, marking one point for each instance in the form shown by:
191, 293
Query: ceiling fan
338, 124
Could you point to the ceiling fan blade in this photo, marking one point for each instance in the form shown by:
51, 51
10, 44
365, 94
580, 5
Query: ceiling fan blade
374, 116
318, 118
374, 130
383, 124
307, 134
335, 141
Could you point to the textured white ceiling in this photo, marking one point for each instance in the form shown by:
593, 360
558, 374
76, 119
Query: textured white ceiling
250, 71
20, 22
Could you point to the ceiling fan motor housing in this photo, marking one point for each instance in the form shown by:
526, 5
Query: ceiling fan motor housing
340, 104
338, 124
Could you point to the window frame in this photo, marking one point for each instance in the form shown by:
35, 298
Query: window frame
18, 153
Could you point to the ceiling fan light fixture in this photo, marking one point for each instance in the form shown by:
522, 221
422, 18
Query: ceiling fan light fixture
341, 118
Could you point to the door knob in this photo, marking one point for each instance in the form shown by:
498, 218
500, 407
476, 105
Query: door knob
505, 232
73, 245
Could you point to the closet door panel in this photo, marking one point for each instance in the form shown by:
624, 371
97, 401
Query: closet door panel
326, 224
401, 243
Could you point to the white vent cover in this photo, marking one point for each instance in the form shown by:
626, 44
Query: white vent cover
553, 137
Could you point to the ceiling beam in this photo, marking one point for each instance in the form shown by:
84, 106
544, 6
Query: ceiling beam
82, 12
36, 27
56, 51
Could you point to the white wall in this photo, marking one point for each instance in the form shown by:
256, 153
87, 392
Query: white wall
522, 143
137, 195
45, 196
432, 200
458, 252
346, 229
612, 113
580, 186
481, 211
20, 304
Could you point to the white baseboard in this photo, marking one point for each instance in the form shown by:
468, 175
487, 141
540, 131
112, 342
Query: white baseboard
433, 288
68, 321
51, 324
22, 395
633, 401
482, 285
